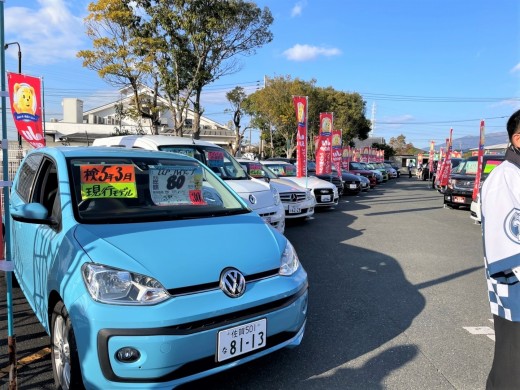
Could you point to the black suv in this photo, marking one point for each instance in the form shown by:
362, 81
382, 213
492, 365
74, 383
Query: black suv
459, 191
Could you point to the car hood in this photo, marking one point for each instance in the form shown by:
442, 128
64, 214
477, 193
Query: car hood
258, 188
312, 182
286, 186
187, 252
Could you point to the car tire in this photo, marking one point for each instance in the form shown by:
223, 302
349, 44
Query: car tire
64, 352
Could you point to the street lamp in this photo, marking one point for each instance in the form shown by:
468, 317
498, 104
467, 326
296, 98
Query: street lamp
20, 72
19, 54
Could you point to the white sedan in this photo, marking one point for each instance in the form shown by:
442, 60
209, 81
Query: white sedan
298, 202
325, 192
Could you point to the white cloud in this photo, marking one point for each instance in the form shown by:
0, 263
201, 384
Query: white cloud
48, 34
298, 8
516, 68
306, 52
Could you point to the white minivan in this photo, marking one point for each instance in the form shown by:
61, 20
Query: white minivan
258, 195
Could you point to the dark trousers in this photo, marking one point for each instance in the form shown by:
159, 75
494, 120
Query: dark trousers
505, 373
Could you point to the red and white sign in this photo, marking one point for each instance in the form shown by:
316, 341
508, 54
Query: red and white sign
26, 107
300, 106
324, 147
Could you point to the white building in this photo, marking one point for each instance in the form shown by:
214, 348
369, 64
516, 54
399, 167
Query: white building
80, 127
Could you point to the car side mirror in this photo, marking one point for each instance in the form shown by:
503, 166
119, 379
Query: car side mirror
32, 213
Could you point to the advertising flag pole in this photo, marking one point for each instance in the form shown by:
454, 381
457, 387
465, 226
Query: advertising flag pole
6, 264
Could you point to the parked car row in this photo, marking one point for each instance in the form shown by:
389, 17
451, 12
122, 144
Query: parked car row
459, 191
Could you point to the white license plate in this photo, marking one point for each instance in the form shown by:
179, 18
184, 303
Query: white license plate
325, 198
294, 209
459, 199
241, 339
352, 186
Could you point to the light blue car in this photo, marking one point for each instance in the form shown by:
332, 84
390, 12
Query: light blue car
146, 270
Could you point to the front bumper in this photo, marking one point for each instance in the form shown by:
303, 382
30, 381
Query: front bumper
306, 209
177, 340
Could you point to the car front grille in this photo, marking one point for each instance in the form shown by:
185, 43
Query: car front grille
292, 196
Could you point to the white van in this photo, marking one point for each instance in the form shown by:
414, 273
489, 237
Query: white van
258, 195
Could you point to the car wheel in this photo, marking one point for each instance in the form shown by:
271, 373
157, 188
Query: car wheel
64, 353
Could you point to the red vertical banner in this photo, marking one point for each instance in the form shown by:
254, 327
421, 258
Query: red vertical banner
431, 156
323, 151
364, 154
346, 158
336, 150
443, 180
300, 106
26, 107
480, 158
357, 155
440, 167
420, 158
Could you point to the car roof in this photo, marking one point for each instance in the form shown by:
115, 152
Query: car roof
488, 157
135, 140
103, 151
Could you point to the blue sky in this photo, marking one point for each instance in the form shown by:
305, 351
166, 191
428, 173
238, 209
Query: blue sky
422, 66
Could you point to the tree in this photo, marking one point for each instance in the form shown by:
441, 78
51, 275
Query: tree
400, 146
272, 109
210, 33
119, 54
389, 151
236, 96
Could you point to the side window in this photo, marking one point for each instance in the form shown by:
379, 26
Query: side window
27, 176
46, 189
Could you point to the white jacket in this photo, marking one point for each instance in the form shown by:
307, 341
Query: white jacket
500, 199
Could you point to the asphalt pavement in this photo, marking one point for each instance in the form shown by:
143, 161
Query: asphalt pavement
397, 300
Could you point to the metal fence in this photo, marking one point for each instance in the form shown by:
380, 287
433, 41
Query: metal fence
15, 154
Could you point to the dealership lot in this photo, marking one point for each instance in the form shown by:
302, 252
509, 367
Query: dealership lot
397, 300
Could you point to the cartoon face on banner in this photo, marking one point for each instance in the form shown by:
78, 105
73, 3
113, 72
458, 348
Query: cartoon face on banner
326, 125
336, 140
24, 100
300, 112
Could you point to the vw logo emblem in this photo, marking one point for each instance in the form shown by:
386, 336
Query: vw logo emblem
252, 199
233, 283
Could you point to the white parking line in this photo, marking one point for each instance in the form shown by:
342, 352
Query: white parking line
485, 330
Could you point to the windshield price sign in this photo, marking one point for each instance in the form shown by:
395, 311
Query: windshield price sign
176, 185
256, 170
108, 181
215, 158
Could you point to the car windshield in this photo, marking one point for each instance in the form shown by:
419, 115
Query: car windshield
356, 165
116, 190
258, 171
282, 170
217, 159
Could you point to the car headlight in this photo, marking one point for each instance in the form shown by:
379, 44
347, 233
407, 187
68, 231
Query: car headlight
276, 196
309, 195
289, 262
120, 287
335, 189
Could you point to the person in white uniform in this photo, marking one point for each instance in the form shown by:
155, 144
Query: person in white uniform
500, 199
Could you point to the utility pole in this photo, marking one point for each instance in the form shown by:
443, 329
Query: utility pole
373, 120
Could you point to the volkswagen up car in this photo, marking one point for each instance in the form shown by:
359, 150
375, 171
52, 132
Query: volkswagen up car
147, 270
259, 195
